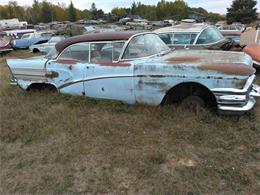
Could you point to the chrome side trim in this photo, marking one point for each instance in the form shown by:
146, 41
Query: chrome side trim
248, 106
246, 88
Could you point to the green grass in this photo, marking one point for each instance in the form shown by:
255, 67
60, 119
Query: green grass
54, 143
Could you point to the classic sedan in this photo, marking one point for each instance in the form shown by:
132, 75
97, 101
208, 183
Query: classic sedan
201, 36
139, 67
5, 46
46, 47
29, 39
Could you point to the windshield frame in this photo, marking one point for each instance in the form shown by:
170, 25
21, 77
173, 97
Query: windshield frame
52, 57
140, 34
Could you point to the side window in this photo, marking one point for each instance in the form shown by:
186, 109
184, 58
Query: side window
101, 52
166, 37
182, 39
193, 37
117, 48
78, 52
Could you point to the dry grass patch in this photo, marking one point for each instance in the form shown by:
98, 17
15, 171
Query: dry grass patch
54, 143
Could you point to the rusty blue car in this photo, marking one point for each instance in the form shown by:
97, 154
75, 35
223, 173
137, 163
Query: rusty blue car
136, 67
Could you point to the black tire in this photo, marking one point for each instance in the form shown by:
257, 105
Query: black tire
193, 103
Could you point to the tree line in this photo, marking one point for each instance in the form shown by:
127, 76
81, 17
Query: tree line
42, 12
46, 12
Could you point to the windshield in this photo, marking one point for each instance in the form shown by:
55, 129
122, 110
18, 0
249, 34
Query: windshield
26, 36
209, 35
145, 45
52, 54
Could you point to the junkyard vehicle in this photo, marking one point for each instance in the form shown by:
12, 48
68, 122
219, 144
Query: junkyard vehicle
46, 47
29, 39
5, 45
232, 32
139, 67
200, 36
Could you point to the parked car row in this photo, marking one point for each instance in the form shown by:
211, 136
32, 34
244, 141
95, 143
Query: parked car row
136, 67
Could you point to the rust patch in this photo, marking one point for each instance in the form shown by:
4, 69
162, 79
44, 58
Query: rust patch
234, 69
235, 33
253, 50
151, 76
114, 64
67, 61
177, 60
52, 74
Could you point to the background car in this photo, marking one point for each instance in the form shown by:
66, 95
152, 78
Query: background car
29, 39
201, 36
5, 45
46, 47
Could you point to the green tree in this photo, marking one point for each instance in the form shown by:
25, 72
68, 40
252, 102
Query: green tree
72, 14
46, 12
119, 11
243, 11
35, 12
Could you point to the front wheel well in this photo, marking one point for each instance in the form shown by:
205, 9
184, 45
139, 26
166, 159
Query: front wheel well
183, 90
41, 87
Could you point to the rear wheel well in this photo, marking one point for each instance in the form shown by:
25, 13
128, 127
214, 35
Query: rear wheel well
41, 87
183, 90
36, 50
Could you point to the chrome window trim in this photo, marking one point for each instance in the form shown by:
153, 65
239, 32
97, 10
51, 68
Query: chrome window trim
195, 41
89, 47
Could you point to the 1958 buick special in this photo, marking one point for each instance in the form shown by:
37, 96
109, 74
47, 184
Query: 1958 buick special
139, 67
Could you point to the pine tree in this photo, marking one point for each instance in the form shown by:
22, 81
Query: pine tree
243, 11
72, 15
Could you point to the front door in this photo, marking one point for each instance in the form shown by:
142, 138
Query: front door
105, 77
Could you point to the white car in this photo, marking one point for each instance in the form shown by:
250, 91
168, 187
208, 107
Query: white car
46, 47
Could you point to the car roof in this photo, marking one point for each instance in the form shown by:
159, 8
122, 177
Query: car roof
184, 27
105, 36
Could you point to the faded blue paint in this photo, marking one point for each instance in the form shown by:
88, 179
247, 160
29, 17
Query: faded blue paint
145, 80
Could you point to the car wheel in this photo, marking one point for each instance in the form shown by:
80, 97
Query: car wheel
193, 103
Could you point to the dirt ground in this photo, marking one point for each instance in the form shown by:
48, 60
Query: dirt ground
54, 143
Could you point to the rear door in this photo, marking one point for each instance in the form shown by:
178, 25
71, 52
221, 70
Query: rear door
67, 71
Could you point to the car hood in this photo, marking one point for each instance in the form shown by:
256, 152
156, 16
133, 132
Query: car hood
199, 57
232, 63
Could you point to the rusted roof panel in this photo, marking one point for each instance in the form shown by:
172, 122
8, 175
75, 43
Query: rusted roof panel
107, 36
184, 27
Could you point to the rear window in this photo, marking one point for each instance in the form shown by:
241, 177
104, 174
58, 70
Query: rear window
78, 52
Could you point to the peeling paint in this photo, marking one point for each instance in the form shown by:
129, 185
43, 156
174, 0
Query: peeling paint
67, 61
114, 64
52, 74
233, 69
176, 60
